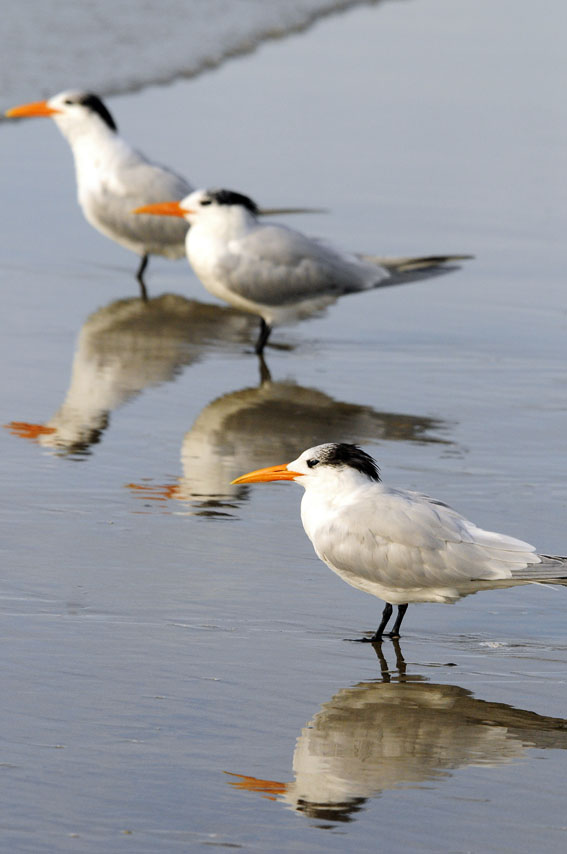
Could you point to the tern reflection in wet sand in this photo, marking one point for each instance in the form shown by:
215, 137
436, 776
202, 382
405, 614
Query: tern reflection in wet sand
250, 426
399, 732
122, 349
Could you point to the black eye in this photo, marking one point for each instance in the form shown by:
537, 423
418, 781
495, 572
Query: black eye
206, 202
67, 101
312, 463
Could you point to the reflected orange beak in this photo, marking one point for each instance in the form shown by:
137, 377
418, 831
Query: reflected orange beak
27, 430
270, 788
36, 108
154, 492
163, 209
271, 473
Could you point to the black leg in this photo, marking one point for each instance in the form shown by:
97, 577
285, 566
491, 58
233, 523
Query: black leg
265, 330
140, 276
377, 636
386, 614
395, 633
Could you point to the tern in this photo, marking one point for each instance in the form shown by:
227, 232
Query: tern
271, 270
113, 178
398, 545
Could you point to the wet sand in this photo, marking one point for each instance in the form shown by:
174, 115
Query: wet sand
162, 628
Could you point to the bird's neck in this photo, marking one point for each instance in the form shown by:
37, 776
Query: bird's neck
326, 495
81, 133
95, 147
338, 485
228, 223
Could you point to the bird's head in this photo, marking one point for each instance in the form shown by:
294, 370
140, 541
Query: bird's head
73, 111
214, 207
320, 465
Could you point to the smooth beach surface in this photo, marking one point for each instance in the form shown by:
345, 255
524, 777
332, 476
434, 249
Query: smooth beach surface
175, 670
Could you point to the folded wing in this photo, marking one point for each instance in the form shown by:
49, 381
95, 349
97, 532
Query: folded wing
274, 265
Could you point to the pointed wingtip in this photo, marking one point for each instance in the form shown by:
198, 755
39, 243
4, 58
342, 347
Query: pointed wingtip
284, 211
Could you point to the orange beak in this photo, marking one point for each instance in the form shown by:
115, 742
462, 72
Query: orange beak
37, 108
163, 209
271, 473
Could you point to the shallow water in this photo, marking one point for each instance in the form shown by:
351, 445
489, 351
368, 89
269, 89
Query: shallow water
175, 673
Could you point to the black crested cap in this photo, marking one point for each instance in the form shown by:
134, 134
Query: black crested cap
343, 454
230, 197
94, 103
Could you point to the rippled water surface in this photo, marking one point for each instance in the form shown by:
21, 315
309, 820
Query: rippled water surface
175, 671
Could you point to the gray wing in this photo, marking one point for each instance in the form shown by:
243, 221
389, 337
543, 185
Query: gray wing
139, 178
405, 539
140, 182
275, 265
